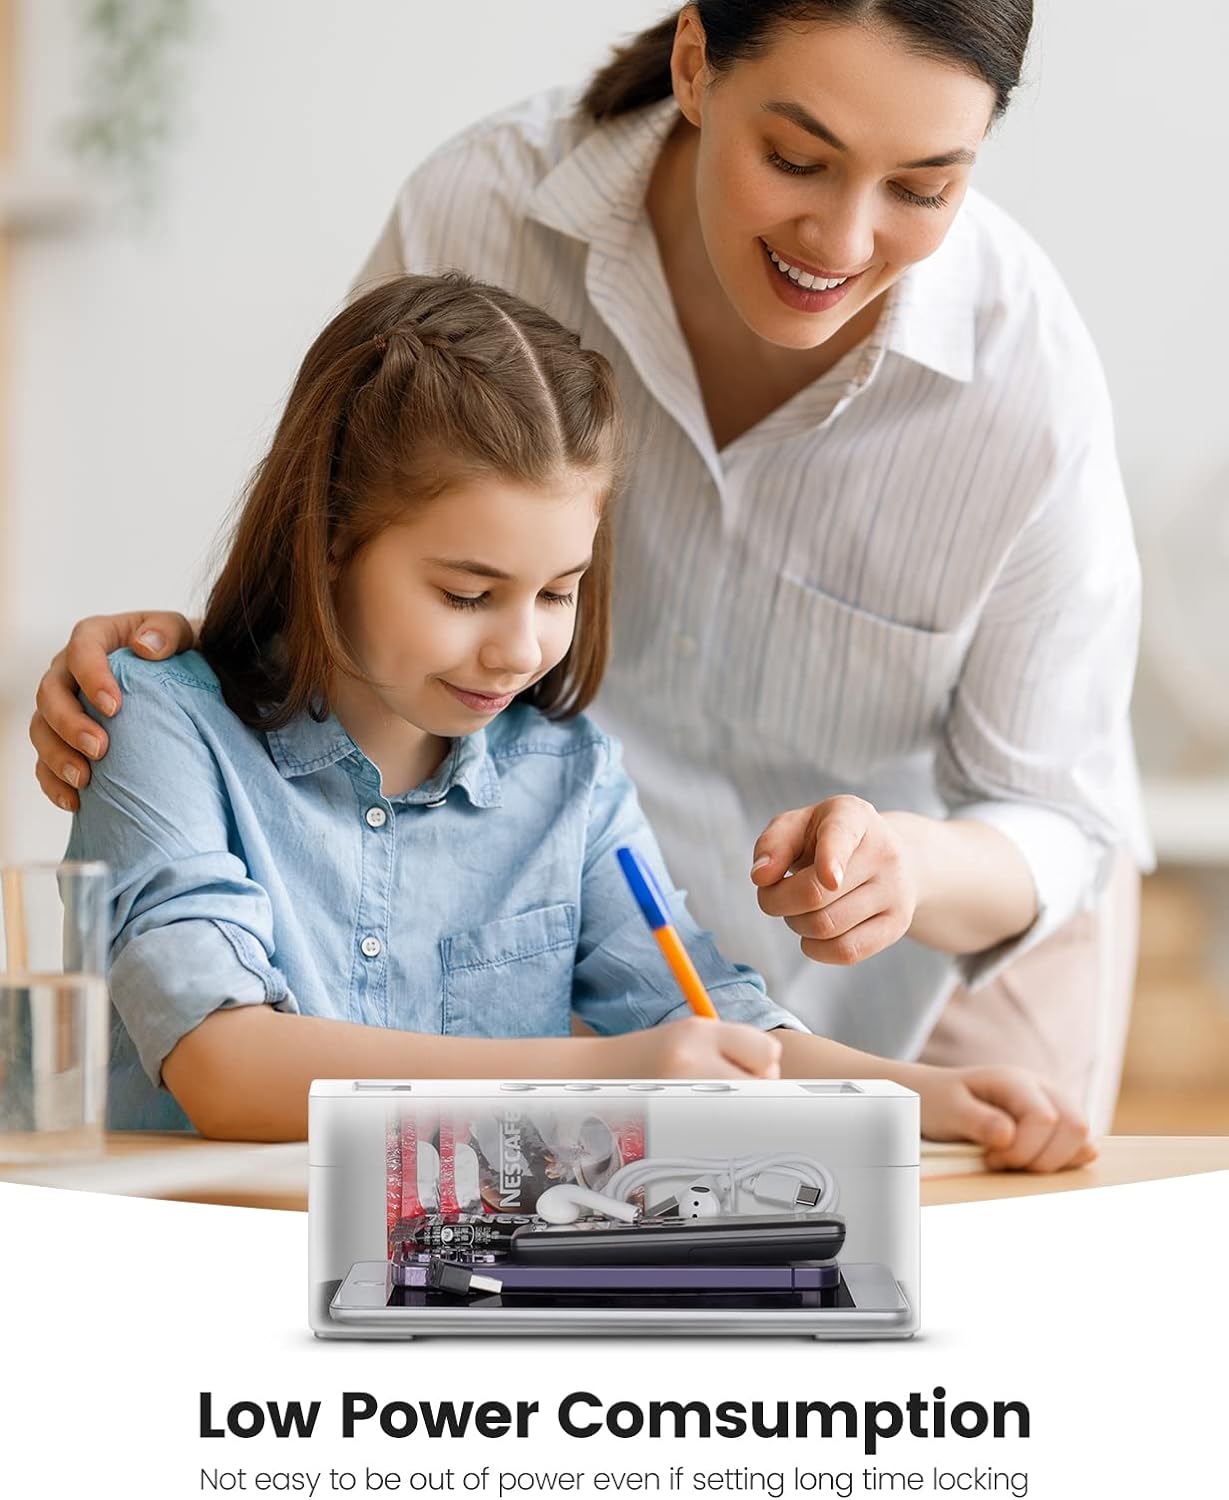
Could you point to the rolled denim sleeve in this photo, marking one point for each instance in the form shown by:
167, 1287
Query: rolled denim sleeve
191, 932
622, 981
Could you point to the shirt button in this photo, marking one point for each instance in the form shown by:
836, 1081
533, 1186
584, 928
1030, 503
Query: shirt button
376, 817
687, 645
371, 946
437, 801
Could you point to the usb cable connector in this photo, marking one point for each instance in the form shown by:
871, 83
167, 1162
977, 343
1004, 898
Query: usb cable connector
449, 1276
785, 1190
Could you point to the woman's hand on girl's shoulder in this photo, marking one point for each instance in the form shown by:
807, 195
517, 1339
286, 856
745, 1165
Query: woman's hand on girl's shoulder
64, 735
1024, 1123
696, 1048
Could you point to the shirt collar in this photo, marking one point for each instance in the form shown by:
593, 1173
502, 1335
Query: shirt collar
932, 315
596, 194
306, 745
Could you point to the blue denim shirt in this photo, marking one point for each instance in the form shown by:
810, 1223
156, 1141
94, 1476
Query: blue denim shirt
254, 868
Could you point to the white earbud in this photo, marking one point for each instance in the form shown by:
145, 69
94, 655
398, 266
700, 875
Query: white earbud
567, 1202
699, 1201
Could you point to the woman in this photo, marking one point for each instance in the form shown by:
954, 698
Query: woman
874, 559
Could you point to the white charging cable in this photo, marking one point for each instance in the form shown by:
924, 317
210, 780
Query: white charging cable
712, 1185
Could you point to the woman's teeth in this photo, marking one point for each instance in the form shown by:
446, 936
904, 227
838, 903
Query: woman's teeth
804, 278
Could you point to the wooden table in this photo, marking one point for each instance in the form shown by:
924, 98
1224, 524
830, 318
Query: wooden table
184, 1168
1124, 1158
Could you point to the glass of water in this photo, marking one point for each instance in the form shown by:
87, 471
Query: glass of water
55, 1020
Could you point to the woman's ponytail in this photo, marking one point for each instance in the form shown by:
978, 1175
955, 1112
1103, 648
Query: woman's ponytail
637, 74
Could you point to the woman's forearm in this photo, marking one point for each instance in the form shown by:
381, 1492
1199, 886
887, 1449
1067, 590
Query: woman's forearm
244, 1073
806, 1056
974, 886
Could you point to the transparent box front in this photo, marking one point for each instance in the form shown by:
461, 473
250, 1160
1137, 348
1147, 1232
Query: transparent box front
527, 1206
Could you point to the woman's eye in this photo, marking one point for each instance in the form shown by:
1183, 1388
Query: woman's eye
922, 200
795, 169
463, 601
548, 598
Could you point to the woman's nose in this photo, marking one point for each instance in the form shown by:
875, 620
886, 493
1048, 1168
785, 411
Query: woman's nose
843, 238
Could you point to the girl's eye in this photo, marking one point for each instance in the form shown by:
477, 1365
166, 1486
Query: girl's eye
935, 200
475, 601
792, 167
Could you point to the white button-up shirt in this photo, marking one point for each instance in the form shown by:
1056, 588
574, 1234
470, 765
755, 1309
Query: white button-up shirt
914, 581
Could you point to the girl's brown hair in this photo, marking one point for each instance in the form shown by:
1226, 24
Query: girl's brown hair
416, 386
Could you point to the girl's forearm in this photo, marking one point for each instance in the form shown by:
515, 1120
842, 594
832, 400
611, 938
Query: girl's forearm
974, 886
244, 1073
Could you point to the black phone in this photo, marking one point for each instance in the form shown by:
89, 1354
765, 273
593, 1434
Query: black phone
740, 1241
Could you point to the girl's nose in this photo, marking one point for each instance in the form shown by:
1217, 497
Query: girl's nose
513, 646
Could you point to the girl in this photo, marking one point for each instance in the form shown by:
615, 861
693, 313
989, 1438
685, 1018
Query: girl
366, 829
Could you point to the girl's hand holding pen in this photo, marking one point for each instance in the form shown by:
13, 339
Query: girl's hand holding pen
695, 1048
841, 877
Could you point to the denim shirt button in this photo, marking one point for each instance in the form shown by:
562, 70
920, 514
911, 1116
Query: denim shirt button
371, 946
376, 817
436, 801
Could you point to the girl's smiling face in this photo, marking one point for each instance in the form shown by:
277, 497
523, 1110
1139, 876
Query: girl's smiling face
825, 166
454, 611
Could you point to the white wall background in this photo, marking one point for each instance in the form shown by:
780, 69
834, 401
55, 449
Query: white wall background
151, 356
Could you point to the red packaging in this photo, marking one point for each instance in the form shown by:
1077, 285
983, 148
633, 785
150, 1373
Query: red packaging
500, 1156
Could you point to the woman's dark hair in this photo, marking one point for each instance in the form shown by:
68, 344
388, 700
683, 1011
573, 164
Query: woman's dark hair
988, 37
415, 387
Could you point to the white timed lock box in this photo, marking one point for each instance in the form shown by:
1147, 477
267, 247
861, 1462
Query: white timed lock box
445, 1207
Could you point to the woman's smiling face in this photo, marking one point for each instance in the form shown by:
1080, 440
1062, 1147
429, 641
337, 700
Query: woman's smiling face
826, 165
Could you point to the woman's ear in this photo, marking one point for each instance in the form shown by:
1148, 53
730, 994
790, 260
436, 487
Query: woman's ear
688, 65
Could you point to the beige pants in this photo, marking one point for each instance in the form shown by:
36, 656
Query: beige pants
1062, 1009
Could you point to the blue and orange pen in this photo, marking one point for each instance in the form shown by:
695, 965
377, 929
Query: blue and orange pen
652, 903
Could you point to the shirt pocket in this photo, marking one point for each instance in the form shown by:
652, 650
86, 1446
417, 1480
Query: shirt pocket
511, 977
845, 689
